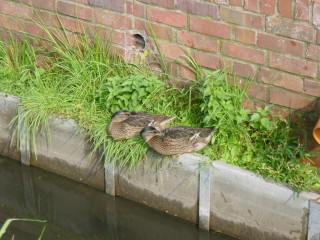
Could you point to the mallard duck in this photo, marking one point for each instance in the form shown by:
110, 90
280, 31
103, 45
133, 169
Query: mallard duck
177, 139
127, 124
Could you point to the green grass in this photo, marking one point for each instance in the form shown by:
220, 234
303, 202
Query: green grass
87, 81
6, 224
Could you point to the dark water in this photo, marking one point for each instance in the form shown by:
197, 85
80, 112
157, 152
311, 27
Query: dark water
77, 211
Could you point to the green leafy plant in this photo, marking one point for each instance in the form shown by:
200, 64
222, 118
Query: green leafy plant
129, 92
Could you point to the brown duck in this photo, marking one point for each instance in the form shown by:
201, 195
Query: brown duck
177, 139
127, 124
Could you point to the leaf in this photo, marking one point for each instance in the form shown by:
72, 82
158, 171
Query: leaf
266, 123
255, 117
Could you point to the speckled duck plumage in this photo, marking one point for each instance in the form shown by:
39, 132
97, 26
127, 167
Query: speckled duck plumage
127, 124
177, 139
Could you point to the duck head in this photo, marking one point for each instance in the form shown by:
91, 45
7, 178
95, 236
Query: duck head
120, 116
149, 132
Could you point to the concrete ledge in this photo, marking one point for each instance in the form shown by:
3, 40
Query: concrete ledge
242, 204
247, 206
8, 105
67, 154
168, 185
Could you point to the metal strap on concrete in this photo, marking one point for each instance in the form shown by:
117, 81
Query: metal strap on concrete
314, 220
109, 174
23, 138
204, 198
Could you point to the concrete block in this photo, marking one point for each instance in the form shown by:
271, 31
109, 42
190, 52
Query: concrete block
67, 154
247, 206
8, 142
204, 199
314, 220
24, 141
109, 178
171, 188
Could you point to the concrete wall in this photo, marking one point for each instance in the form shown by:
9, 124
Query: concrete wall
8, 144
67, 154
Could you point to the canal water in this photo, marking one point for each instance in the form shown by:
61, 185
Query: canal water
76, 211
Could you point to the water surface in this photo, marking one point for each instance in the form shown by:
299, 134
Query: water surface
77, 211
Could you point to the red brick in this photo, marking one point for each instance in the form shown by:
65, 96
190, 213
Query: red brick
291, 100
244, 70
210, 27
290, 29
280, 79
171, 50
241, 18
198, 41
248, 104
28, 2
236, 2
316, 13
187, 73
162, 3
73, 25
16, 10
302, 10
280, 44
247, 36
313, 52
47, 18
112, 19
48, 4
113, 36
74, 10
12, 23
167, 17
241, 52
207, 60
112, 5
257, 91
311, 87
160, 31
34, 29
221, 1
292, 65
136, 9
80, 1
286, 8
251, 5
318, 36
198, 8
268, 7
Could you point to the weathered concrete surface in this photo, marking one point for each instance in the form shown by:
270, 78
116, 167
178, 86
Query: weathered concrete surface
314, 220
67, 154
172, 188
246, 206
8, 106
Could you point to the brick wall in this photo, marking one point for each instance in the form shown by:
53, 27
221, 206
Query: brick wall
275, 42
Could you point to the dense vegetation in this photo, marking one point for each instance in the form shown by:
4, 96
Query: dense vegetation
88, 82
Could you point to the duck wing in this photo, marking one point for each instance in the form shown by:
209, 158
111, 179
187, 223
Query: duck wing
188, 133
142, 119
